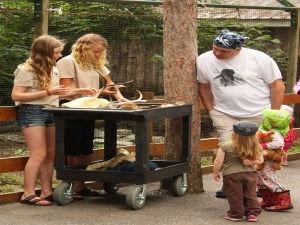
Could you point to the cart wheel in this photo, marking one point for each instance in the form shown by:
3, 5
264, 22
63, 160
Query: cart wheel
135, 198
110, 188
62, 194
179, 186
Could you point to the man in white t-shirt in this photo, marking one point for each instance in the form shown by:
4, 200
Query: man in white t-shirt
237, 83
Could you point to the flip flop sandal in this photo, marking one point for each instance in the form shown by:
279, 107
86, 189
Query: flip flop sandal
49, 198
35, 200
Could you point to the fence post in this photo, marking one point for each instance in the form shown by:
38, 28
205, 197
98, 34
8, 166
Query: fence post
40, 17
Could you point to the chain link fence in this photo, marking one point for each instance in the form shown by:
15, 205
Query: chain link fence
135, 52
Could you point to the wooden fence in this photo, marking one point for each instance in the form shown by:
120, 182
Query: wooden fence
13, 164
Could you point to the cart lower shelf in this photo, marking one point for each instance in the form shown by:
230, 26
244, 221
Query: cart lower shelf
135, 197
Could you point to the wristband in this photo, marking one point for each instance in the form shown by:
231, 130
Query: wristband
48, 92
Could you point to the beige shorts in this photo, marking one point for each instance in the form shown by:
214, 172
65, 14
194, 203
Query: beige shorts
224, 123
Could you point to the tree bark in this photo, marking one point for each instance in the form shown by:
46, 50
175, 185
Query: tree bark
180, 53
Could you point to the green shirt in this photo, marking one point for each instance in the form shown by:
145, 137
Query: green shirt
233, 163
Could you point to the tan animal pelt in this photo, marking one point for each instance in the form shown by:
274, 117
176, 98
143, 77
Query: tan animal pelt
87, 102
122, 156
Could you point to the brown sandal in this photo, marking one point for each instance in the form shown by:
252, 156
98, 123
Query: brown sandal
89, 192
77, 197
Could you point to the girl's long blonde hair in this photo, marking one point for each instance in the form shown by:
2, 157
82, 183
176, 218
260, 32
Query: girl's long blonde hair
247, 147
41, 59
83, 54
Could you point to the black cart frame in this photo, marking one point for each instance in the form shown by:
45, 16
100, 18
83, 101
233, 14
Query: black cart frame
142, 118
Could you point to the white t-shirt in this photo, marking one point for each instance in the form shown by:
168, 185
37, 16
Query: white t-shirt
239, 84
69, 68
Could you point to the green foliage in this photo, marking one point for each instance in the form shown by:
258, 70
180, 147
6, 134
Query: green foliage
21, 152
114, 21
10, 182
16, 33
119, 21
133, 22
295, 148
206, 161
206, 34
98, 146
157, 58
260, 39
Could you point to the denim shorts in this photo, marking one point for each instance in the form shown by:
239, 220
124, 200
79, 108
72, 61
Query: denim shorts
32, 116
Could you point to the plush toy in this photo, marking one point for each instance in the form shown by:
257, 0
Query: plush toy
275, 155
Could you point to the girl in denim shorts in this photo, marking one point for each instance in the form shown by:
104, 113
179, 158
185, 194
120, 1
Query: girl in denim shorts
36, 86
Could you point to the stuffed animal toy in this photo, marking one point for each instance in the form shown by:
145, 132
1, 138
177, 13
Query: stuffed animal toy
275, 155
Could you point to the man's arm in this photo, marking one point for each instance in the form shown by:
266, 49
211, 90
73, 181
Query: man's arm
206, 95
277, 89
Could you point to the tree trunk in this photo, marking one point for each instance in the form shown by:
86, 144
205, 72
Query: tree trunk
180, 52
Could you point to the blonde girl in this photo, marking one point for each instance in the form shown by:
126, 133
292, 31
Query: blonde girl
236, 159
83, 71
36, 86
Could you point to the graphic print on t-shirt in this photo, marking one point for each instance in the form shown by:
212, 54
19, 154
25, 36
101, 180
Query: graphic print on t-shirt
228, 77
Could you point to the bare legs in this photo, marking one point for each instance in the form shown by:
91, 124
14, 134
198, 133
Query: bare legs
41, 143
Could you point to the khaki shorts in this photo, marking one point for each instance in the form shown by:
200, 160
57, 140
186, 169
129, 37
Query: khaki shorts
224, 123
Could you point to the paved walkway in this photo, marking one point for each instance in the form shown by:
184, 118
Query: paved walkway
161, 208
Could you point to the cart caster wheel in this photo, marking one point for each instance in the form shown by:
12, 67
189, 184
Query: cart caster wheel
179, 186
110, 188
62, 194
135, 198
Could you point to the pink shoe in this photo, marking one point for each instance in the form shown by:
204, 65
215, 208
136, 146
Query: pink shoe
251, 218
285, 162
228, 217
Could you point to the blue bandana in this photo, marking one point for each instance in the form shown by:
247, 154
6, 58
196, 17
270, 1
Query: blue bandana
228, 39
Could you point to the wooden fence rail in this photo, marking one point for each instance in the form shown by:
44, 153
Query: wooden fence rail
12, 164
